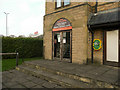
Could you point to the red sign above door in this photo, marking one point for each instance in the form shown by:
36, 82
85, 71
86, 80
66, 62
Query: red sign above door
62, 24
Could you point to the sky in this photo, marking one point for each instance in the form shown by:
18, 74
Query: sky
26, 16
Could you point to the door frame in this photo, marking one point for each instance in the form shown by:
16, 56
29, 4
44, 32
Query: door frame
61, 45
117, 64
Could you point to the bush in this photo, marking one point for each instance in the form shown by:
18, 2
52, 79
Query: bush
27, 47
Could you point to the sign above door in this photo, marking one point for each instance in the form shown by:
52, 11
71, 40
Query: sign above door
62, 24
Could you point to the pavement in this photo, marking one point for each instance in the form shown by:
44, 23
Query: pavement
102, 73
16, 79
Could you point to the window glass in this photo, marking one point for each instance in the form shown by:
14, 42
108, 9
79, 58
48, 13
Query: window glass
59, 3
66, 2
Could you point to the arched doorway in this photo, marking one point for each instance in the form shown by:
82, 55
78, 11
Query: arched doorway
62, 40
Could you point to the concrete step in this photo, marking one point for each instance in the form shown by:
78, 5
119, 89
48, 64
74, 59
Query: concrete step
87, 80
66, 82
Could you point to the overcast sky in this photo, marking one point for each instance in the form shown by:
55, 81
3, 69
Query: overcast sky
26, 16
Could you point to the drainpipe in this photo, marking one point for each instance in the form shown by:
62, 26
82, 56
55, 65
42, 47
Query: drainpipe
92, 55
91, 43
96, 5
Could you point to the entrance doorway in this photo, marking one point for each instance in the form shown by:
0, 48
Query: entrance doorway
62, 37
62, 45
112, 47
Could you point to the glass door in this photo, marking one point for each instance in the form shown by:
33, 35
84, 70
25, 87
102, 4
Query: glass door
62, 45
66, 45
57, 45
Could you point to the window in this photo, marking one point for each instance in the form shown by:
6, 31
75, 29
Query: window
66, 2
58, 3
62, 3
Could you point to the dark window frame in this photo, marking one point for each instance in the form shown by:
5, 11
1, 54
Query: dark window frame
56, 4
62, 4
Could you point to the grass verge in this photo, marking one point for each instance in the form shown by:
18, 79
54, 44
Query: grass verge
8, 64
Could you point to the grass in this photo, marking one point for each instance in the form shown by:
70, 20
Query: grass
8, 64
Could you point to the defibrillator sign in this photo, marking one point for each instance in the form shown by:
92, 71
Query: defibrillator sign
97, 44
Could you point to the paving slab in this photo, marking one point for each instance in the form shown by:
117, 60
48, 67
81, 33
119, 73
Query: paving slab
37, 86
5, 80
20, 80
99, 70
38, 81
18, 86
3, 86
29, 84
108, 79
30, 78
10, 84
58, 86
9, 75
112, 73
49, 85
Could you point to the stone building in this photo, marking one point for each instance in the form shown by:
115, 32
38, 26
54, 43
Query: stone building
82, 32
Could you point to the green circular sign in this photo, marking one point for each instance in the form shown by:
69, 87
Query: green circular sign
97, 44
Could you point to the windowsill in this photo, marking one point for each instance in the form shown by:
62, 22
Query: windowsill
58, 7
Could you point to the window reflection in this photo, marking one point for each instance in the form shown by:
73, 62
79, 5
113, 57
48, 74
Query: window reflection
66, 2
59, 3
62, 3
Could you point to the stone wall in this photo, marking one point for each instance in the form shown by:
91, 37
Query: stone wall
107, 5
78, 17
98, 34
50, 6
98, 55
81, 37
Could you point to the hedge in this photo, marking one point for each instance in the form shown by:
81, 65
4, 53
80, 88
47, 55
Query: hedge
27, 47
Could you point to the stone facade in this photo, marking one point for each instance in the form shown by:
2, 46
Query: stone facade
81, 37
98, 55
